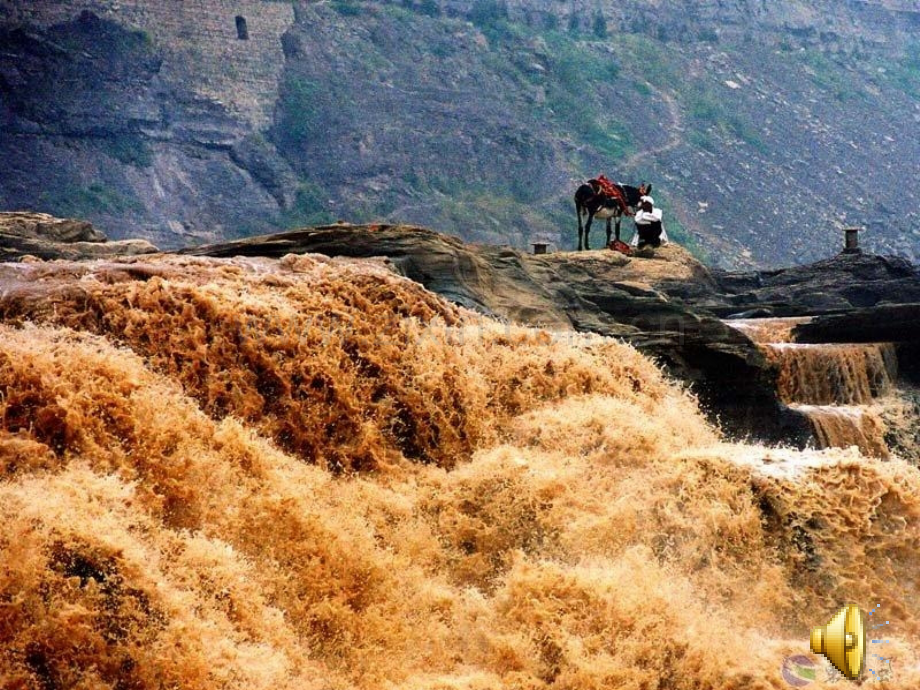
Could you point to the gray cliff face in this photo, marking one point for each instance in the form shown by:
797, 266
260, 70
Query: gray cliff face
764, 126
882, 23
139, 116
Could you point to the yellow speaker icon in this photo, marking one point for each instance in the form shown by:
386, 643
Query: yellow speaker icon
843, 641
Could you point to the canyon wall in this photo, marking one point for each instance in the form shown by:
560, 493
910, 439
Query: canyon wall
200, 44
187, 122
139, 114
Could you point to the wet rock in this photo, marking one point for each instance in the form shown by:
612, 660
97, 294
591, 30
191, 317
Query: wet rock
835, 285
823, 301
894, 323
761, 313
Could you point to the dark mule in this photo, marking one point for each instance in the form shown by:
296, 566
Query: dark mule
592, 203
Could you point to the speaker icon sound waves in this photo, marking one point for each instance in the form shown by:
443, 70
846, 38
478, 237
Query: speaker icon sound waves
843, 641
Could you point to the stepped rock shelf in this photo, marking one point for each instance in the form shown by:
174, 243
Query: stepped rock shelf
844, 389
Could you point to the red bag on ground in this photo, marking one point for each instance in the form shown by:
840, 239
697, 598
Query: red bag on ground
621, 246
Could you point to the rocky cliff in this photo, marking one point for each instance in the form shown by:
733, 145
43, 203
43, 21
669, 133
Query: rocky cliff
764, 126
880, 22
143, 117
34, 236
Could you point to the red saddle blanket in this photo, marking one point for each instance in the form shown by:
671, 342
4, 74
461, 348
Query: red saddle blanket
614, 191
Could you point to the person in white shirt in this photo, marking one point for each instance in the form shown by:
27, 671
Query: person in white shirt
649, 230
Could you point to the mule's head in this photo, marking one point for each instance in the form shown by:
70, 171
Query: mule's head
645, 189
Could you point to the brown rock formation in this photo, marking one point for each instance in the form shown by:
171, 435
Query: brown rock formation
42, 226
39, 235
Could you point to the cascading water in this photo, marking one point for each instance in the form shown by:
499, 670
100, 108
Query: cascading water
833, 385
847, 425
312, 474
768, 330
833, 374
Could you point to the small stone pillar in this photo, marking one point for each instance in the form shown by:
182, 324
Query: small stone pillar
539, 247
851, 241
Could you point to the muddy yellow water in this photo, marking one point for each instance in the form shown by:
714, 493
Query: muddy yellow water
770, 330
841, 388
833, 374
314, 474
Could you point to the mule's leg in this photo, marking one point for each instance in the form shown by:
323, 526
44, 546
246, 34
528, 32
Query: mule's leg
619, 218
580, 228
588, 229
608, 232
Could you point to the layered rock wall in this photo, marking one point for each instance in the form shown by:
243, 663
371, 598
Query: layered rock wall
157, 119
131, 113
880, 22
200, 43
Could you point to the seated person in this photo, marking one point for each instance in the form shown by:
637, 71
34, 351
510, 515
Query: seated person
649, 230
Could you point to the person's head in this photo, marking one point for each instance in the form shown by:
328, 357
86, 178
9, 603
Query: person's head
647, 206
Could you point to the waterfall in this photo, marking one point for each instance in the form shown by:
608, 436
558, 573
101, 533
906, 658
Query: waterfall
833, 374
847, 425
768, 330
833, 385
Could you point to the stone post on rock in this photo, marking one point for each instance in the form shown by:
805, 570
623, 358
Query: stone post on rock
851, 241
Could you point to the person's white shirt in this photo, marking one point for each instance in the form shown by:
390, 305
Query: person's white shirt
647, 217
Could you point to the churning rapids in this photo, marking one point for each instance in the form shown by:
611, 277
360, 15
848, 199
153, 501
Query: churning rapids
312, 473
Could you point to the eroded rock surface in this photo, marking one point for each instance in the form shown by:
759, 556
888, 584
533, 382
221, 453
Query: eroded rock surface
42, 236
42, 226
840, 283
